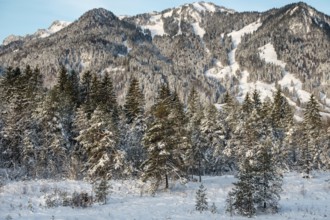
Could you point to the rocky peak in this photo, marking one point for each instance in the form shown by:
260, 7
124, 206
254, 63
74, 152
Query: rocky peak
99, 15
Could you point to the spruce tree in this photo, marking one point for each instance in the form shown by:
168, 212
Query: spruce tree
99, 144
108, 98
311, 146
134, 102
241, 197
214, 134
102, 191
201, 199
164, 150
268, 180
256, 101
196, 153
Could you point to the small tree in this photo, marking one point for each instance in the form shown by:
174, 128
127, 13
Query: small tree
102, 190
201, 200
213, 208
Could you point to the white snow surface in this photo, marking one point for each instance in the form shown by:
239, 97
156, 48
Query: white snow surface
198, 30
269, 54
301, 199
55, 27
156, 25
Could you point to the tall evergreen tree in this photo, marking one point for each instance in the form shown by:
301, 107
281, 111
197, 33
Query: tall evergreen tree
164, 154
99, 144
311, 146
241, 197
268, 180
134, 103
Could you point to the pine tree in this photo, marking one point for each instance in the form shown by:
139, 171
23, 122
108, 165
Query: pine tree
241, 197
213, 209
247, 106
214, 134
268, 180
134, 102
108, 99
85, 89
54, 145
164, 152
311, 148
256, 100
281, 122
102, 191
196, 153
99, 144
201, 200
21, 92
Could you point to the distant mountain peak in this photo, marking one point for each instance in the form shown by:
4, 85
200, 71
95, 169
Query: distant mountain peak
99, 15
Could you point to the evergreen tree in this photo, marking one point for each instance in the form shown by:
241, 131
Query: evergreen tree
268, 180
247, 106
102, 191
311, 146
214, 134
85, 89
164, 152
196, 153
108, 99
256, 100
53, 160
134, 103
241, 197
213, 209
21, 92
281, 122
99, 144
201, 200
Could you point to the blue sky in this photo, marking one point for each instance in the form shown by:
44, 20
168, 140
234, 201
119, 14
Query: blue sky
22, 17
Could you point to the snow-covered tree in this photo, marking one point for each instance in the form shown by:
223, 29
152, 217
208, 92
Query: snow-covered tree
201, 199
268, 179
214, 134
99, 144
241, 198
102, 191
134, 103
164, 151
311, 145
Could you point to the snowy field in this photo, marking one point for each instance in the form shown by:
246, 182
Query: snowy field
300, 199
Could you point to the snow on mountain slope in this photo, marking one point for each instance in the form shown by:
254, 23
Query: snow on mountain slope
301, 199
289, 81
268, 53
220, 72
41, 33
55, 27
156, 25
189, 13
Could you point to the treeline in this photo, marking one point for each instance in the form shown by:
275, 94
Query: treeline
77, 130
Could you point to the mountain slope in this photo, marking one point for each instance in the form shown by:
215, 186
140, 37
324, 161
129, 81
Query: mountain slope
41, 33
202, 45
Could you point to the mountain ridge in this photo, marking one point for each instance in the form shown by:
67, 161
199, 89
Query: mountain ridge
192, 45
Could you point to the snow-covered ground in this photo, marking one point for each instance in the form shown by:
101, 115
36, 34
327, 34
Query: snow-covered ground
301, 199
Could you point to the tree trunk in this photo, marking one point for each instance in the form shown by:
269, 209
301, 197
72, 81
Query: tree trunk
166, 181
199, 171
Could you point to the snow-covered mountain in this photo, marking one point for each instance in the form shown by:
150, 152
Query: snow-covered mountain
175, 21
41, 33
203, 45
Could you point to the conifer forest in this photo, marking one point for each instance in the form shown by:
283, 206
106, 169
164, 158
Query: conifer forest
76, 130
194, 112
